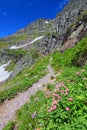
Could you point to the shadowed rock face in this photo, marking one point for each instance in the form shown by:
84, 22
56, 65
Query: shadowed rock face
62, 23
27, 60
69, 15
76, 32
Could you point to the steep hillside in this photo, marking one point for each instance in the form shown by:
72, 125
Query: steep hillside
62, 44
62, 104
44, 36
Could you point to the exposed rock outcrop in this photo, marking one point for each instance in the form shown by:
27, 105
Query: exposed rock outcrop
62, 23
77, 31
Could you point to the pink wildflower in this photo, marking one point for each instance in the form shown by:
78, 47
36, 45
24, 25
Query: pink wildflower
56, 95
52, 108
61, 91
59, 85
67, 91
54, 103
59, 97
70, 99
67, 108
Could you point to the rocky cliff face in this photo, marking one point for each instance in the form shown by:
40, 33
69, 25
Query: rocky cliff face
76, 32
62, 23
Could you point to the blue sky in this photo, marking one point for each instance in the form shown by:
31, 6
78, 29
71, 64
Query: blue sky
16, 14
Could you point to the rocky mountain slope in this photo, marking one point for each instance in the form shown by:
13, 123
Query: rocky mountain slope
63, 21
35, 29
63, 32
59, 45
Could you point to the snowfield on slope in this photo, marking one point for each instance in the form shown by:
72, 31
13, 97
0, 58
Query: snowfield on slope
18, 47
3, 73
46, 22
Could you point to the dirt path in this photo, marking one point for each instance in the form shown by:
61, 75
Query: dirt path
8, 108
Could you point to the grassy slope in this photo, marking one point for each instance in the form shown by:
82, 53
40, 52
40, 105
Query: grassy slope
11, 40
24, 80
68, 114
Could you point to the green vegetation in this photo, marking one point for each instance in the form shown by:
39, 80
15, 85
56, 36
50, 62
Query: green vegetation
71, 57
34, 53
64, 105
11, 66
17, 38
10, 126
15, 55
2, 45
11, 40
62, 108
49, 25
19, 52
48, 34
24, 80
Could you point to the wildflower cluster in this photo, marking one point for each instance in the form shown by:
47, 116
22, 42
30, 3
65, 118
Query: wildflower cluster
58, 95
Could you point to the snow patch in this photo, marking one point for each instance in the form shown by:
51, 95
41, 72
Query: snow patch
46, 22
17, 47
3, 73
